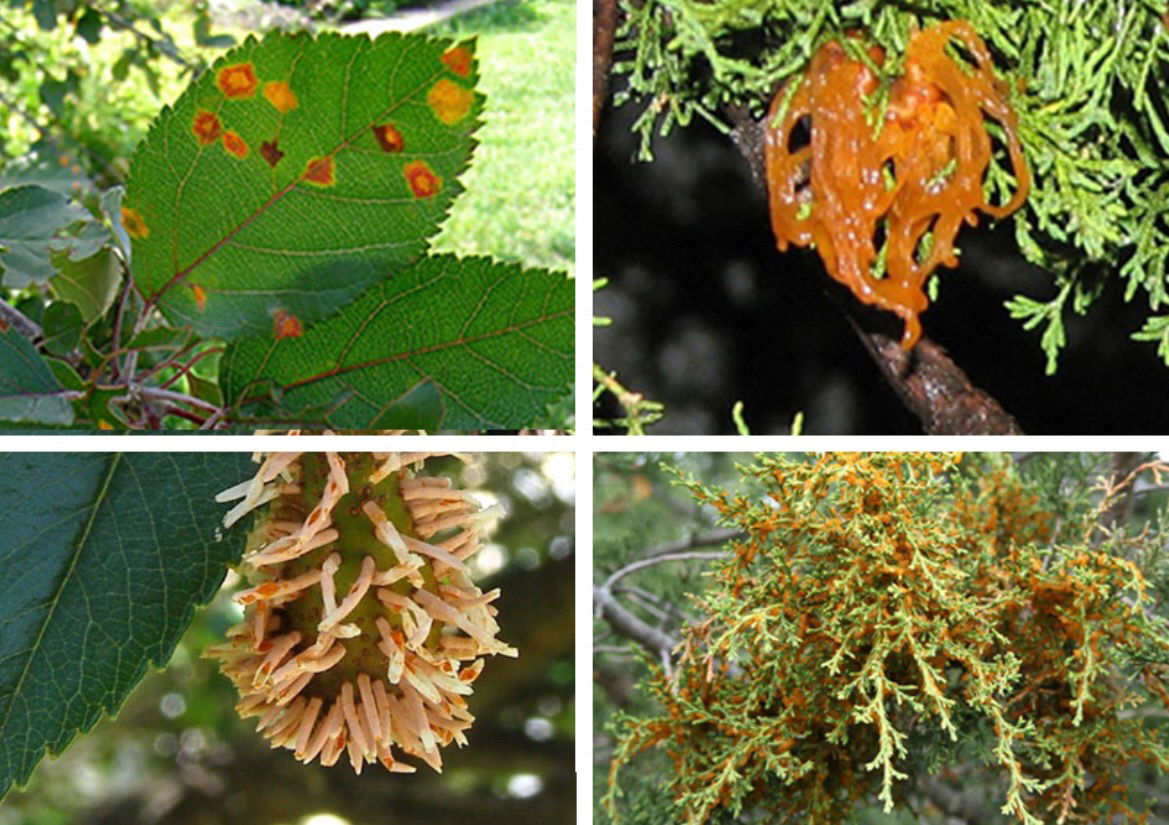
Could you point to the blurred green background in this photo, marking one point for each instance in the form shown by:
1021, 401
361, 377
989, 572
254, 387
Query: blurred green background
178, 753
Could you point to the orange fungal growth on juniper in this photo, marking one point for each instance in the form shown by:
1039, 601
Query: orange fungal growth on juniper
280, 95
319, 171
235, 144
237, 81
286, 325
135, 226
388, 137
449, 101
458, 60
422, 180
362, 630
206, 127
916, 179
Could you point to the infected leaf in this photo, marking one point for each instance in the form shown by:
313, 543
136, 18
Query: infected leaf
458, 60
135, 226
270, 152
286, 325
320, 171
280, 95
206, 127
450, 101
329, 213
423, 182
235, 145
388, 137
237, 82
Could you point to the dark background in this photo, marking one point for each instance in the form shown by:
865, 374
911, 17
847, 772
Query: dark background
707, 312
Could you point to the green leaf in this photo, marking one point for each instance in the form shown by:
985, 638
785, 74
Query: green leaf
89, 25
1156, 328
29, 217
28, 390
103, 559
91, 284
451, 343
204, 37
251, 200
63, 324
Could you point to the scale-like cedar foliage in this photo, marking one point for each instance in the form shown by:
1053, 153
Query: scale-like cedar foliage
882, 606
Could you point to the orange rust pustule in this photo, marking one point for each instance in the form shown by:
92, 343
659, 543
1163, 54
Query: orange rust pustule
388, 137
836, 190
237, 81
235, 145
422, 180
320, 171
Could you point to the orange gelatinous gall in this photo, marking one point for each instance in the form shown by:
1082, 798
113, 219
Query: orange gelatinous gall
280, 95
286, 325
237, 81
423, 182
388, 137
458, 60
135, 226
449, 101
922, 173
320, 171
235, 144
270, 152
206, 127
200, 295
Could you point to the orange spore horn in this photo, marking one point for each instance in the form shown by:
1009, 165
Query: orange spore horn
922, 172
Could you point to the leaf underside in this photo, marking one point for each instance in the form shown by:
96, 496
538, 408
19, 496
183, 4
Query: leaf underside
29, 217
28, 390
295, 173
451, 343
103, 559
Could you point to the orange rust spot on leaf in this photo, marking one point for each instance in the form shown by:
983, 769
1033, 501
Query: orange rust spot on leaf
458, 60
235, 144
388, 137
423, 182
280, 95
206, 127
270, 152
286, 325
320, 171
200, 297
449, 101
135, 226
237, 81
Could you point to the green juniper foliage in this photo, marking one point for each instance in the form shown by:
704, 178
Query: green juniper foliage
1087, 78
889, 619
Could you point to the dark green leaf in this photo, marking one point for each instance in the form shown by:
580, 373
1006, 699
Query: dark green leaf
296, 173
63, 324
91, 284
450, 343
29, 216
28, 390
103, 559
65, 373
45, 12
89, 25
